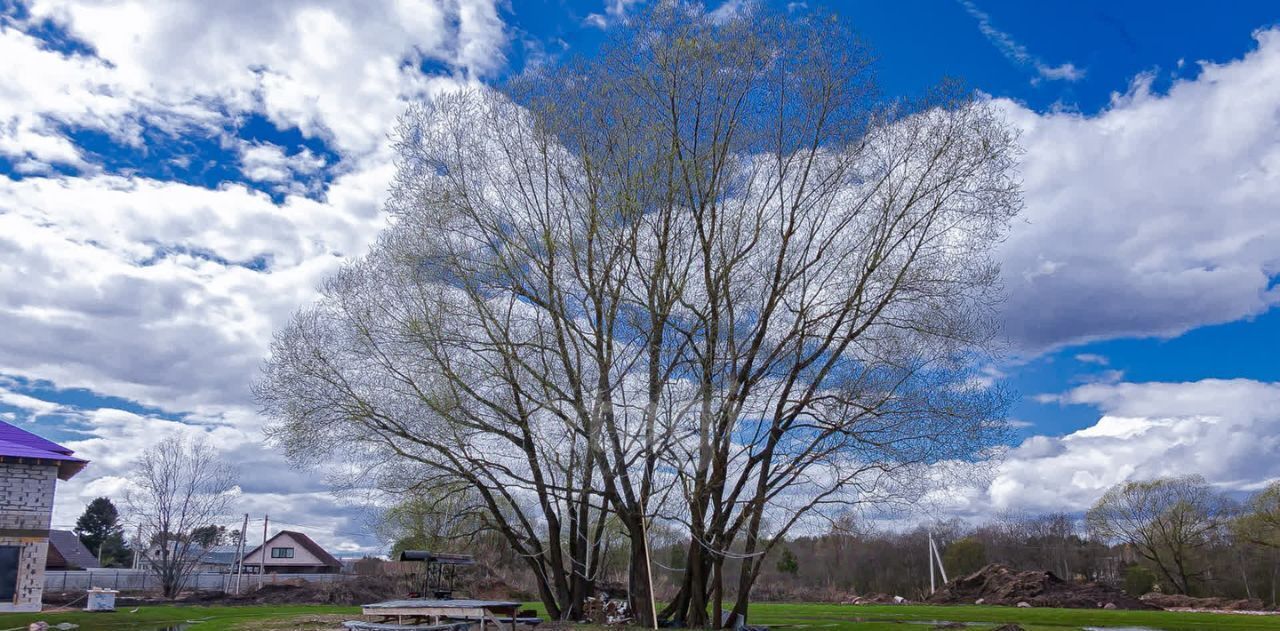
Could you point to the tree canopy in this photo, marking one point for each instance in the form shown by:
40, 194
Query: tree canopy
1167, 520
705, 281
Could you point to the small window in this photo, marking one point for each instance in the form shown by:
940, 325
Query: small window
282, 553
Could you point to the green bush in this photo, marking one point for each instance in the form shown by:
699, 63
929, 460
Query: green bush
964, 556
1138, 580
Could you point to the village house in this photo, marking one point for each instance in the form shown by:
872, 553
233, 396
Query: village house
66, 552
290, 552
30, 467
220, 558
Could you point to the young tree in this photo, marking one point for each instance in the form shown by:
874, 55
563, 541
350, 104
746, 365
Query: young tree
964, 556
181, 486
1259, 522
788, 564
1167, 520
99, 529
437, 521
704, 280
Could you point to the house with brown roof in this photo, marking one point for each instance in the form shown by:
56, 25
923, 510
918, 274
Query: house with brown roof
291, 552
30, 467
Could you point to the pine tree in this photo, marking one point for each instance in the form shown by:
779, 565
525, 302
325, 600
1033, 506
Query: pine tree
99, 530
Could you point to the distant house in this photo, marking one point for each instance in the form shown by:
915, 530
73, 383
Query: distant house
212, 559
29, 469
67, 553
290, 552
218, 559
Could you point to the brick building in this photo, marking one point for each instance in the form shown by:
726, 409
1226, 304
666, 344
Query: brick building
29, 468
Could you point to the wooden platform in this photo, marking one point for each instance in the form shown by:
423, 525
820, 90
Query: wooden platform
418, 610
361, 625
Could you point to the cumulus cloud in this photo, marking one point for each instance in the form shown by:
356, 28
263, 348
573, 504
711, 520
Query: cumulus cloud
1146, 430
166, 293
267, 162
334, 70
1157, 215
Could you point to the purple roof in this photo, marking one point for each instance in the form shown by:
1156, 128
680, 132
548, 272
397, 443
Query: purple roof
19, 444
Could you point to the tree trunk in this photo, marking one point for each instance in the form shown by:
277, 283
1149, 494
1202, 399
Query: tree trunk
640, 581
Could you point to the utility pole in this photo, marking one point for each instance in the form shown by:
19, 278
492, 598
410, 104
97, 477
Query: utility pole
240, 552
937, 557
137, 548
929, 553
262, 552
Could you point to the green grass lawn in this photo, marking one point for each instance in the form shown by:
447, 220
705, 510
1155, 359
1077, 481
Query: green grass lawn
784, 617
818, 617
213, 618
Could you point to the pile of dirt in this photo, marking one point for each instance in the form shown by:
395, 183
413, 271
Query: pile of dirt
997, 584
1174, 601
354, 591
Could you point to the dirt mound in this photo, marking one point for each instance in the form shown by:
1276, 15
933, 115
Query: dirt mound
997, 584
354, 591
1174, 601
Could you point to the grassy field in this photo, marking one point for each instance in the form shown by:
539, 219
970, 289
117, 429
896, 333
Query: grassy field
161, 617
784, 617
819, 617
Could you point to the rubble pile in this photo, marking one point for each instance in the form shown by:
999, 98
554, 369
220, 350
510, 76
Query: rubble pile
997, 584
1174, 601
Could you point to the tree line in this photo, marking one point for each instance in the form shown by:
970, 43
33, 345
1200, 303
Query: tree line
1187, 539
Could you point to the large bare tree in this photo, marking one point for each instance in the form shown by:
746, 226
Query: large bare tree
704, 279
180, 486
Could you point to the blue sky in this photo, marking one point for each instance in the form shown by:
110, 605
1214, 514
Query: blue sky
177, 177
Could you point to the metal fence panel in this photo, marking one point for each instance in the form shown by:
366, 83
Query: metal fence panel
143, 580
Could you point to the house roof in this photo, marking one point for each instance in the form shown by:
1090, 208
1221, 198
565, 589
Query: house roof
18, 445
67, 547
304, 541
219, 555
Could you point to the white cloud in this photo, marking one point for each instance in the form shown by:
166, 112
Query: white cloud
1158, 215
166, 293
1092, 358
33, 406
266, 162
614, 11
339, 71
1226, 430
1016, 52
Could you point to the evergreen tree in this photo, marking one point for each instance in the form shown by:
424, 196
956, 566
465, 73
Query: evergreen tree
209, 536
100, 531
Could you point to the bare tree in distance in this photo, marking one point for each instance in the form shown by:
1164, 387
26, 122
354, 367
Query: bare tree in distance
1167, 520
705, 280
180, 487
